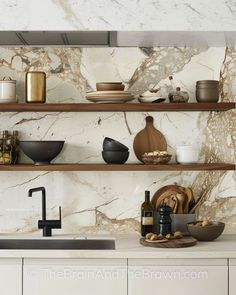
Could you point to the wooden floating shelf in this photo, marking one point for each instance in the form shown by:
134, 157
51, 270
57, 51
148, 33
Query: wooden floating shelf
121, 167
119, 107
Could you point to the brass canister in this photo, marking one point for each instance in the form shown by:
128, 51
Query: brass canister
35, 87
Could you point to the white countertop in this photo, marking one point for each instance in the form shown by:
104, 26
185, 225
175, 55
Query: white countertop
127, 246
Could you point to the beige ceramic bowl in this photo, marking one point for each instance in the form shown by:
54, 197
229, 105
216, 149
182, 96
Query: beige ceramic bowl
206, 233
110, 86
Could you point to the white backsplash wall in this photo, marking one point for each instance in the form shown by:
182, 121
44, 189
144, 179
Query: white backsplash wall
131, 15
110, 202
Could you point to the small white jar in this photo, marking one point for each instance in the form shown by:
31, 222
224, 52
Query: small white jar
187, 154
7, 90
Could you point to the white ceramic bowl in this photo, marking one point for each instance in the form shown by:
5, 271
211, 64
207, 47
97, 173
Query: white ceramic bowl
187, 154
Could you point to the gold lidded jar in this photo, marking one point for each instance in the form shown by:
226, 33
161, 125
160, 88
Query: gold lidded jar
35, 87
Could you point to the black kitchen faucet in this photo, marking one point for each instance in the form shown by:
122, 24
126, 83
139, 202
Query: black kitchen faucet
45, 224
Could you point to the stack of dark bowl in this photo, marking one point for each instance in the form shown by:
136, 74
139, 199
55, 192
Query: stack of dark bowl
114, 152
207, 91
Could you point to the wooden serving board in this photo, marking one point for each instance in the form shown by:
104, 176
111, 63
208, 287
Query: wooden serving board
148, 140
176, 243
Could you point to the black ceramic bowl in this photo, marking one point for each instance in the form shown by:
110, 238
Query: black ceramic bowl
41, 152
110, 144
111, 157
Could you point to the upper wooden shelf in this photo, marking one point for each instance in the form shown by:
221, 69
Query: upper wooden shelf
120, 107
119, 167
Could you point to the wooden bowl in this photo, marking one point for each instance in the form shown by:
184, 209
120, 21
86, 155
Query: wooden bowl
156, 159
110, 86
206, 233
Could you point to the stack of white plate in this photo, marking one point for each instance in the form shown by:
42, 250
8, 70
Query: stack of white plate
110, 96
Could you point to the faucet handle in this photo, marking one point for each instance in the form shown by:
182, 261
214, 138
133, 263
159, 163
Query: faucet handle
60, 213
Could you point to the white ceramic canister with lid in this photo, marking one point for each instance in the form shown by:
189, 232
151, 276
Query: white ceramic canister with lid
7, 90
187, 154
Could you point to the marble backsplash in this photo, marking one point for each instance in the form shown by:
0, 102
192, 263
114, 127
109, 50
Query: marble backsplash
110, 202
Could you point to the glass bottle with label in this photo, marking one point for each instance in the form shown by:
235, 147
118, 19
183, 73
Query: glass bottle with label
15, 147
6, 148
146, 215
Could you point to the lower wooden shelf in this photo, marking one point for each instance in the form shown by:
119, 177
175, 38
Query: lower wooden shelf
119, 167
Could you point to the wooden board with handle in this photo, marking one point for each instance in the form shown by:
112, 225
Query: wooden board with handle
176, 243
148, 140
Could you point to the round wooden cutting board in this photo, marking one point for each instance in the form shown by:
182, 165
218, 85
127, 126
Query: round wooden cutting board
177, 243
148, 140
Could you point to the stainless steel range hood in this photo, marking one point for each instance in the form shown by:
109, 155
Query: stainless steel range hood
116, 38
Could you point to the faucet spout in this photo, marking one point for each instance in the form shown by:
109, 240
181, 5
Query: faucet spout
44, 224
40, 189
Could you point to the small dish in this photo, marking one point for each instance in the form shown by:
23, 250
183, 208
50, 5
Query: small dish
151, 99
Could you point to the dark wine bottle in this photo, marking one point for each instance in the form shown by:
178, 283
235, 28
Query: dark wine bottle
146, 215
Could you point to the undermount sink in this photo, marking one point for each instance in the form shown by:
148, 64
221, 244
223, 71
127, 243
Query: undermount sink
86, 244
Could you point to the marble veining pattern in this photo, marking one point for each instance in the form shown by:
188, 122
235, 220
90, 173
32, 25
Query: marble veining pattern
110, 202
211, 15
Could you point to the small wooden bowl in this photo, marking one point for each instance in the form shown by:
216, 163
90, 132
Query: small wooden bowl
153, 160
110, 86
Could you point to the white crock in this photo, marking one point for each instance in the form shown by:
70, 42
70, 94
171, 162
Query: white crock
7, 89
187, 154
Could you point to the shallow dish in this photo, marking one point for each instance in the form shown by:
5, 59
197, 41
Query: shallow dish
110, 144
110, 99
115, 157
41, 152
151, 99
206, 233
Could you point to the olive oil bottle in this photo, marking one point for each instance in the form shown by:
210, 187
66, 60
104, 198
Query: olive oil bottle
146, 215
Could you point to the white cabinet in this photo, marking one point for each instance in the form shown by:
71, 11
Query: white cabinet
10, 276
75, 276
178, 276
232, 276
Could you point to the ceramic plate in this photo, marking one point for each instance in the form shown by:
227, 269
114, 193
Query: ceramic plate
116, 92
110, 99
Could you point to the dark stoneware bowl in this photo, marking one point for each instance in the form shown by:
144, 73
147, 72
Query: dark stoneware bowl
41, 152
116, 157
206, 233
110, 144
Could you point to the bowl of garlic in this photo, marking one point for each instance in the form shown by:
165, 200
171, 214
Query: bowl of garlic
156, 157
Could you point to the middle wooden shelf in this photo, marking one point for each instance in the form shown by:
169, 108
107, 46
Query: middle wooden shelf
119, 167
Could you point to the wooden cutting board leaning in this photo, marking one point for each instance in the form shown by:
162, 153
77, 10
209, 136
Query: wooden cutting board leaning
148, 140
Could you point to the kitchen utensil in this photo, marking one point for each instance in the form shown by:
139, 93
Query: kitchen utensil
176, 243
35, 87
110, 144
41, 152
187, 154
207, 91
149, 139
7, 90
108, 86
170, 194
178, 95
149, 159
206, 233
115, 157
